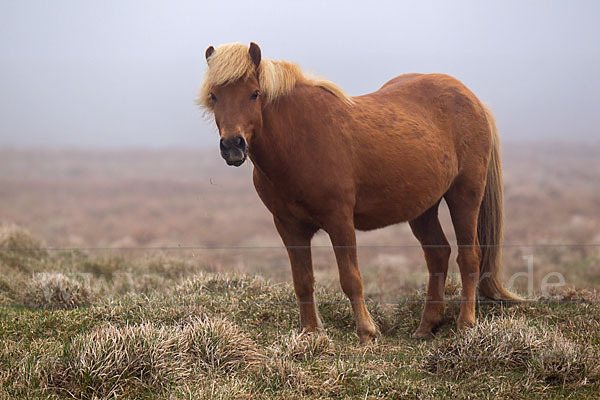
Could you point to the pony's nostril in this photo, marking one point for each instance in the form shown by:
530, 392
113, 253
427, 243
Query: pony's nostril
239, 141
223, 144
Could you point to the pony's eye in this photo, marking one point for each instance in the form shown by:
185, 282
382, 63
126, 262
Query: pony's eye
255, 95
213, 97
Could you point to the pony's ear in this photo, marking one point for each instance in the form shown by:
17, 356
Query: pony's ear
254, 54
209, 51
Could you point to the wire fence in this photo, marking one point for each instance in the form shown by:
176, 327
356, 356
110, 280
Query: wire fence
546, 298
375, 246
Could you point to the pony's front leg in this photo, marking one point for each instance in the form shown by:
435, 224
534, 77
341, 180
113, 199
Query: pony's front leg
343, 239
296, 238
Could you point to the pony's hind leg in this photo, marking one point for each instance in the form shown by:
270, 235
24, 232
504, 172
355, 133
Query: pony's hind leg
428, 231
464, 201
343, 238
296, 238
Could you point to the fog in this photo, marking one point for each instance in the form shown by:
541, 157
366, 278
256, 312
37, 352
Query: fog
125, 73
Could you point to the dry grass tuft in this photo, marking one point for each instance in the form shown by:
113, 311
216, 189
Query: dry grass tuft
110, 361
15, 238
507, 343
215, 284
290, 363
57, 290
305, 346
115, 361
220, 345
572, 294
17, 245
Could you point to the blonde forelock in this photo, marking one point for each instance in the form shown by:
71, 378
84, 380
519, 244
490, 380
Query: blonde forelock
231, 62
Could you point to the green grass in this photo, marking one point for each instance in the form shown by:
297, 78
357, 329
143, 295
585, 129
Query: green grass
160, 328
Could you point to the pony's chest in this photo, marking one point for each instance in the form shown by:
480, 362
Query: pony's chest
281, 200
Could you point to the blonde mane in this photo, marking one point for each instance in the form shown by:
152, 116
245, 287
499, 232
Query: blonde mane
232, 62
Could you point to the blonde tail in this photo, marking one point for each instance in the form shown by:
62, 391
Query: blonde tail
490, 226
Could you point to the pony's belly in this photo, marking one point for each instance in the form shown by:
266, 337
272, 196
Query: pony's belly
384, 217
379, 208
368, 223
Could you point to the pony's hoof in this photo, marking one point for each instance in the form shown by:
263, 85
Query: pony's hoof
422, 334
463, 325
367, 337
310, 329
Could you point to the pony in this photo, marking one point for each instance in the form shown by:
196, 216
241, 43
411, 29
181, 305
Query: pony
325, 160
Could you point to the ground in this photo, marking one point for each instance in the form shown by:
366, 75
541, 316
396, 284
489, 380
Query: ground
75, 325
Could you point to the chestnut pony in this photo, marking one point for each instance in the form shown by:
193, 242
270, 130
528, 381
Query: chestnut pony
324, 160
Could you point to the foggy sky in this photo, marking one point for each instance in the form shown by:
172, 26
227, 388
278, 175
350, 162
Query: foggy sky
125, 73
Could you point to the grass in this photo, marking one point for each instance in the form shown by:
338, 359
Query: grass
74, 325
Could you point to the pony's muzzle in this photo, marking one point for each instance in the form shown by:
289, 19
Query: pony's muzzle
234, 150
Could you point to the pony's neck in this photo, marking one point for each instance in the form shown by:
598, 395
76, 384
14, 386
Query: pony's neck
293, 129
273, 147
